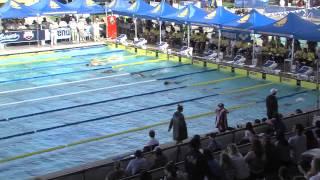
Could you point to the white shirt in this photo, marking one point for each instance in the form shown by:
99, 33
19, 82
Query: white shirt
241, 166
248, 135
315, 177
152, 142
298, 145
73, 25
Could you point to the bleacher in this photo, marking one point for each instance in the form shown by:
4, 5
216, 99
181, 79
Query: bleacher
99, 170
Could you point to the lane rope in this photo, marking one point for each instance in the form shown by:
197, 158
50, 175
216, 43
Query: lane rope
86, 80
103, 101
120, 114
97, 89
89, 140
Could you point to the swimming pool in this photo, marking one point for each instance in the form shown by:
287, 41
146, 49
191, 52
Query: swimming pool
57, 113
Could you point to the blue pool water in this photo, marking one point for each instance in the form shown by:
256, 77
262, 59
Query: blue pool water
75, 102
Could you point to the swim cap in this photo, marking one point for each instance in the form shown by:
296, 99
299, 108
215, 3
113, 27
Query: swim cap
273, 90
166, 83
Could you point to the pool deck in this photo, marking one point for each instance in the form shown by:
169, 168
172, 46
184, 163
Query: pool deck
35, 48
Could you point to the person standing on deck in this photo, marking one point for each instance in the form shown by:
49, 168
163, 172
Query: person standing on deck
179, 125
272, 104
221, 118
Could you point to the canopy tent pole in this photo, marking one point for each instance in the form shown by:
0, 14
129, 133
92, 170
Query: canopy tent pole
160, 23
219, 43
38, 31
253, 46
188, 28
135, 28
317, 87
292, 53
106, 11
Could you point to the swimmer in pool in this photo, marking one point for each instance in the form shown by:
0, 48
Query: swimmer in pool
95, 62
109, 71
138, 74
174, 82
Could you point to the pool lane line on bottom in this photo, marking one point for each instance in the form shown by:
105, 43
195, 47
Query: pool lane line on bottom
85, 70
86, 80
57, 58
125, 113
119, 98
99, 89
189, 118
60, 65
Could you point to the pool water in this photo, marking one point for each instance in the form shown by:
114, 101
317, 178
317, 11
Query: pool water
49, 100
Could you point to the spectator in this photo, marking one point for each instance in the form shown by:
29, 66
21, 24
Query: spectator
272, 104
153, 142
160, 159
272, 159
284, 173
136, 165
215, 171
213, 145
116, 173
145, 175
311, 140
179, 125
170, 171
256, 160
221, 118
314, 172
283, 150
249, 134
241, 166
298, 143
227, 166
195, 162
317, 132
299, 111
278, 125
317, 125
257, 121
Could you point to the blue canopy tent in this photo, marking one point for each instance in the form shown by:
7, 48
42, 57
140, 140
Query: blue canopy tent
162, 9
51, 7
12, 9
219, 16
187, 15
292, 26
249, 21
85, 7
135, 9
117, 6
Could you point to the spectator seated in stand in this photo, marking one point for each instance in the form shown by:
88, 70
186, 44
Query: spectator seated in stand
311, 140
213, 145
240, 165
153, 142
116, 173
160, 159
249, 134
298, 142
137, 165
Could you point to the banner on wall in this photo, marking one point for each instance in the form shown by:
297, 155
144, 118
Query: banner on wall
112, 27
21, 36
251, 3
63, 33
236, 35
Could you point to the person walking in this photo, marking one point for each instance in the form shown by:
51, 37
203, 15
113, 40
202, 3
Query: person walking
272, 104
221, 118
179, 125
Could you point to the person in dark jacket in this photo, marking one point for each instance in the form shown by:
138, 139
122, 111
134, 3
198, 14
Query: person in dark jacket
221, 118
272, 104
179, 125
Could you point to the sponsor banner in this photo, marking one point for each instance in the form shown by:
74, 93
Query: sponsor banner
212, 65
240, 71
225, 68
272, 78
21, 36
63, 33
251, 3
236, 35
150, 53
255, 75
308, 85
288, 81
